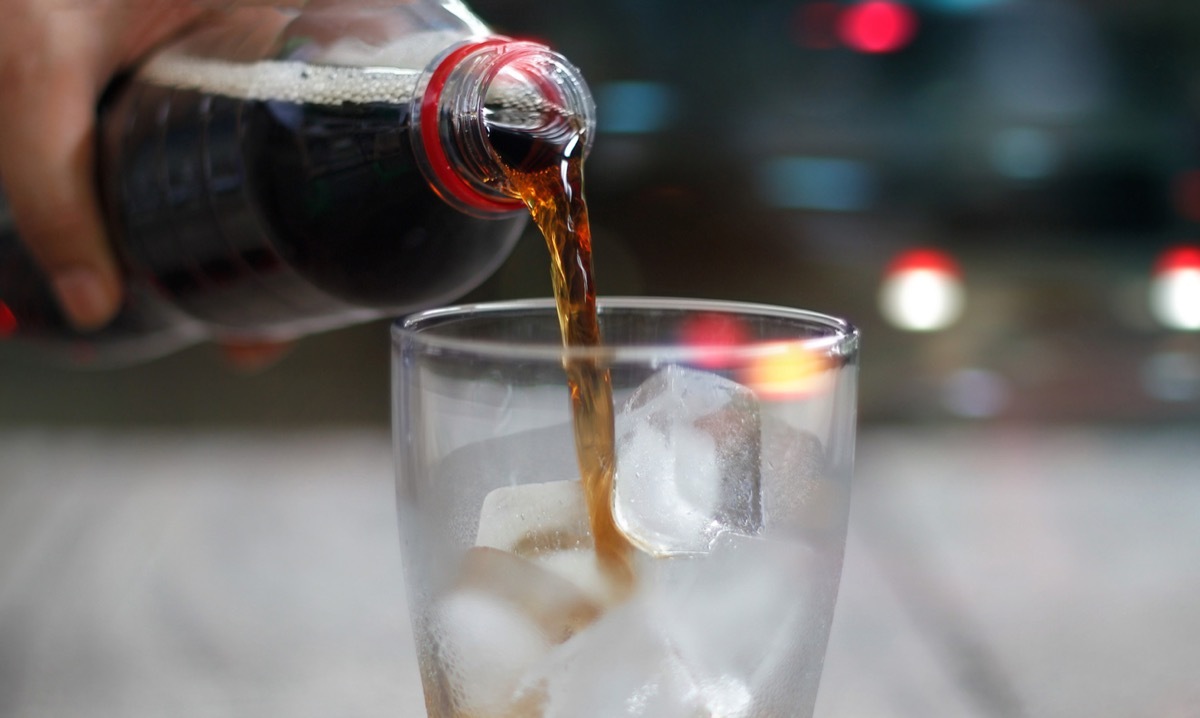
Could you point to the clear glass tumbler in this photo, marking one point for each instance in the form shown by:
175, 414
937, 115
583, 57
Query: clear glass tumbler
727, 502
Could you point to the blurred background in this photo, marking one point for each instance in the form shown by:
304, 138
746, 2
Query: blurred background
1047, 153
1004, 195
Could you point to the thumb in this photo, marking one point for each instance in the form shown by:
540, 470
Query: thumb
47, 111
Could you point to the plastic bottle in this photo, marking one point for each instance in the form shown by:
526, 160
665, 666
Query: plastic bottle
277, 173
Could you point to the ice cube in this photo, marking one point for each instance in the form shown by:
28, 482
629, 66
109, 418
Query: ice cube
531, 519
546, 523
728, 633
452, 491
797, 495
736, 632
582, 568
622, 665
687, 464
500, 620
485, 646
557, 606
748, 621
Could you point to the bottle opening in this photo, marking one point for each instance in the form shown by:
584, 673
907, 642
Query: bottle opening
533, 110
497, 106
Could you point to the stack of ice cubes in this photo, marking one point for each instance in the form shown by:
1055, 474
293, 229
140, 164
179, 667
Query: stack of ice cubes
715, 625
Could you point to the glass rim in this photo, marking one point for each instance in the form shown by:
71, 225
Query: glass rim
840, 339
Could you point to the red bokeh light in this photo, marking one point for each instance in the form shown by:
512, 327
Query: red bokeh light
924, 258
713, 334
815, 25
8, 321
877, 26
1178, 258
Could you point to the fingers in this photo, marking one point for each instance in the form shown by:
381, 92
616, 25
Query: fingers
47, 109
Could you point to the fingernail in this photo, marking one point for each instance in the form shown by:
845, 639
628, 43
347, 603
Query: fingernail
83, 297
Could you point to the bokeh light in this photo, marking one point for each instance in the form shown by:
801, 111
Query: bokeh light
635, 107
922, 291
828, 184
792, 371
712, 335
1175, 289
8, 321
877, 26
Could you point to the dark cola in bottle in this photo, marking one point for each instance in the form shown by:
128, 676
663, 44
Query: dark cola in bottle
276, 173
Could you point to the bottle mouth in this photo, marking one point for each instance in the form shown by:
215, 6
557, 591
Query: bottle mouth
495, 106
534, 108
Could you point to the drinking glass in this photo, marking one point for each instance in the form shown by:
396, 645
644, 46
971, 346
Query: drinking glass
733, 445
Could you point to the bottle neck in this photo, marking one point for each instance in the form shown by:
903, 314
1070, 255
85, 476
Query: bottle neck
482, 100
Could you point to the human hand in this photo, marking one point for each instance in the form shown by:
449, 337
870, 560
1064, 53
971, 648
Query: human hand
56, 58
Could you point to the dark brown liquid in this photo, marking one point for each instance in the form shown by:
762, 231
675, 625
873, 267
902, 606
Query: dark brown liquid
256, 216
547, 173
550, 181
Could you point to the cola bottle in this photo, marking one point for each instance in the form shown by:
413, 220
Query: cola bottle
276, 173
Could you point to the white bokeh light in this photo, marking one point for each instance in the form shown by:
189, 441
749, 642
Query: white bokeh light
921, 300
1175, 298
